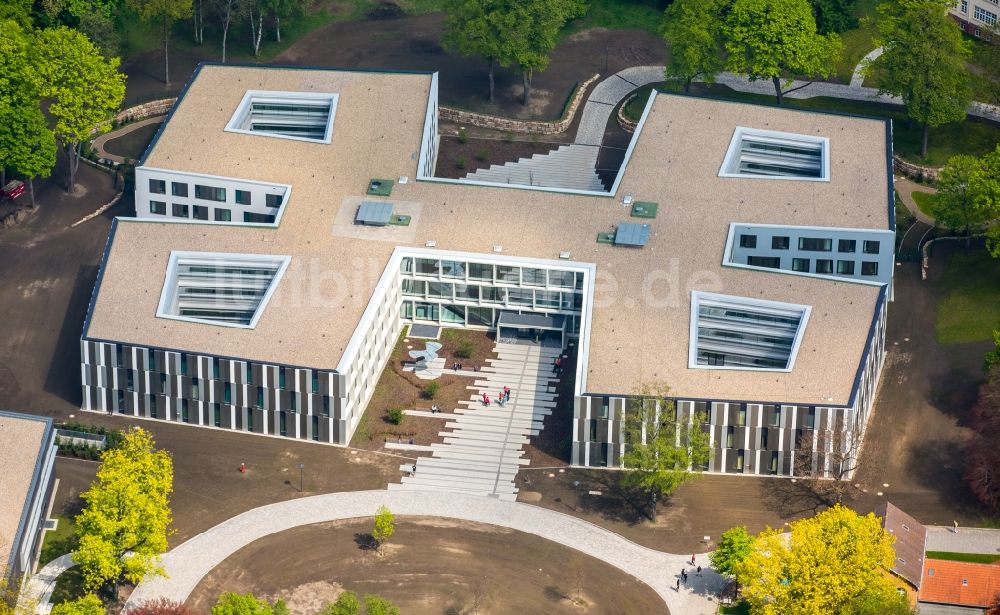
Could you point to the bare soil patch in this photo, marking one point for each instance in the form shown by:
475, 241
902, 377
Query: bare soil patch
132, 144
456, 159
432, 568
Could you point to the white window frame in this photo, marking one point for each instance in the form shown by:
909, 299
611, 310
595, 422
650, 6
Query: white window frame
733, 153
251, 96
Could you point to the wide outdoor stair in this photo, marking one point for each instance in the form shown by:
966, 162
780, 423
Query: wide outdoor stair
482, 448
569, 166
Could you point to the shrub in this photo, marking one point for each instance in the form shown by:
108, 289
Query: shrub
460, 163
463, 136
395, 415
483, 155
430, 390
464, 350
161, 606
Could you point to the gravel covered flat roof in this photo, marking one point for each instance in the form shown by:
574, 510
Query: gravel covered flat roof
641, 310
21, 440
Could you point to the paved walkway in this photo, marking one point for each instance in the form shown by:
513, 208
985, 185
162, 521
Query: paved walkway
858, 77
481, 452
188, 563
967, 540
102, 140
906, 188
38, 590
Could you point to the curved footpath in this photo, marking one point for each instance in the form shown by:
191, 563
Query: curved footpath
99, 143
39, 588
189, 562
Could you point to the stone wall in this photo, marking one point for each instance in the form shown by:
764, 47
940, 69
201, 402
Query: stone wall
514, 125
627, 125
914, 170
140, 112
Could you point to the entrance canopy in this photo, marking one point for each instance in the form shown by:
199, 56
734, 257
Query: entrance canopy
539, 326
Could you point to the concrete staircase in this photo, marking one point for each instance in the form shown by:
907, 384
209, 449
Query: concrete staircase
481, 452
569, 166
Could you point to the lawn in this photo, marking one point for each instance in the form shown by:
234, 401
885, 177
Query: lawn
857, 42
969, 309
737, 609
975, 558
620, 15
59, 541
924, 201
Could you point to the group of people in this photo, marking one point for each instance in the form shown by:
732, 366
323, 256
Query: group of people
502, 397
683, 578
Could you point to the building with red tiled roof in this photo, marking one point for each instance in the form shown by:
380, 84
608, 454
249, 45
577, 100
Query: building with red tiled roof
961, 584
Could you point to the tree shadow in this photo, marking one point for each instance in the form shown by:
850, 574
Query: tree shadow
618, 501
365, 541
63, 376
790, 499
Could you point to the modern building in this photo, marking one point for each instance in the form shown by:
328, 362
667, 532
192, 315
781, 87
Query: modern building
27, 456
290, 224
977, 17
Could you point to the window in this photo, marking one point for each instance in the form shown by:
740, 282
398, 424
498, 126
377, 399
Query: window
846, 245
774, 462
157, 186
800, 264
216, 415
185, 413
772, 262
223, 215
930, 572
741, 416
178, 189
281, 377
223, 289
129, 380
200, 212
779, 243
763, 438
478, 271
179, 211
195, 390
282, 424
242, 197
743, 333
315, 428
871, 247
326, 406
216, 368
775, 415
730, 433
158, 207
258, 218
273, 200
260, 397
289, 115
152, 406
845, 267
605, 408
593, 430
987, 17
119, 356
748, 241
775, 155
810, 420
249, 374
965, 6
869, 268
250, 420
184, 365
210, 193
739, 460
815, 244
508, 274
824, 266
227, 393
163, 384
315, 383
152, 360
531, 276
293, 402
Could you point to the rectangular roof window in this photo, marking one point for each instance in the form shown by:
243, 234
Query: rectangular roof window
219, 289
741, 333
304, 116
777, 155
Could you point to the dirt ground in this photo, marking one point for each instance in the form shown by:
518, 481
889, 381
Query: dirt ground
133, 144
456, 159
413, 43
430, 567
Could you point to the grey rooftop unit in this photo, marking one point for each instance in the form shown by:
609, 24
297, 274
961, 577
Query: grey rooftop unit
630, 234
372, 213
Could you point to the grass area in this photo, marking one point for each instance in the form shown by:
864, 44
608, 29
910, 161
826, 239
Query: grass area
737, 609
924, 201
971, 137
69, 586
975, 558
969, 310
59, 541
620, 15
857, 42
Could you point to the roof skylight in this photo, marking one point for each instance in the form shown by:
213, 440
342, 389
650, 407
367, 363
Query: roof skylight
776, 155
219, 289
289, 115
741, 333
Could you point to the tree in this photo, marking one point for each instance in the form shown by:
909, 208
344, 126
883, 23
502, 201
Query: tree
984, 186
661, 448
161, 606
923, 62
537, 34
19, 91
11, 602
166, 12
834, 15
774, 39
241, 604
87, 605
828, 465
692, 29
18, 11
85, 88
29, 143
279, 9
481, 27
953, 203
225, 10
831, 563
101, 31
993, 357
123, 526
347, 604
982, 461
384, 527
377, 605
734, 547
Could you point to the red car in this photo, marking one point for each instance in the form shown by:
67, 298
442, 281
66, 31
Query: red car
13, 189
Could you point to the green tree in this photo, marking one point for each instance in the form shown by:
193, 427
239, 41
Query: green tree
123, 526
18, 11
984, 186
377, 605
923, 62
166, 12
834, 15
347, 604
241, 604
693, 31
385, 526
953, 204
85, 88
734, 547
776, 39
87, 605
29, 144
832, 563
19, 92
662, 450
537, 34
484, 28
993, 357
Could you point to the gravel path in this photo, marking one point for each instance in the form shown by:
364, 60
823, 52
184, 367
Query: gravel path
188, 563
858, 78
100, 141
38, 590
906, 188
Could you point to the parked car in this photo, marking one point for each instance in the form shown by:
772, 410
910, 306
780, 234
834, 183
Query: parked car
13, 189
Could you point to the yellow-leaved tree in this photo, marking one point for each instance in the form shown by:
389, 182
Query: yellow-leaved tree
123, 525
834, 562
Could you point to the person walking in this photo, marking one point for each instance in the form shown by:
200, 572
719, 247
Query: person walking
684, 576
699, 571
678, 585
506, 393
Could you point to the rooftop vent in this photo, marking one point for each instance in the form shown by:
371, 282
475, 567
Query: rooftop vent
303, 116
372, 213
644, 209
380, 187
634, 235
